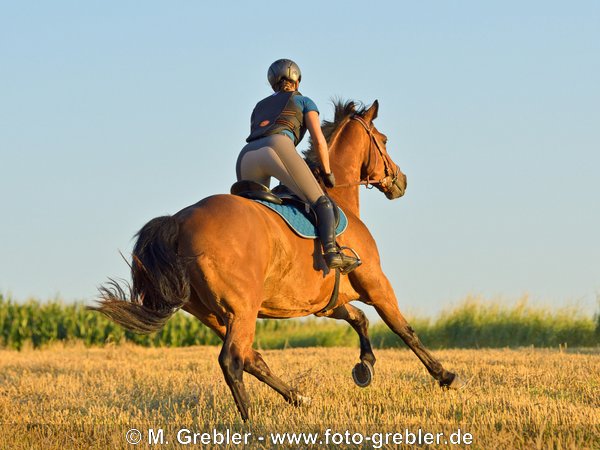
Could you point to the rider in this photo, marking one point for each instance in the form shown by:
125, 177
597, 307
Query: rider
278, 124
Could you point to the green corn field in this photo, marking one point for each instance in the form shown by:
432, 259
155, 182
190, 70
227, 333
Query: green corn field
472, 324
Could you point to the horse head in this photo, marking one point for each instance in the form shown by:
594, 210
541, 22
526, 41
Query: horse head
378, 169
358, 152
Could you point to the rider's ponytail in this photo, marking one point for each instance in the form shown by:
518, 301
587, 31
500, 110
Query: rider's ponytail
285, 85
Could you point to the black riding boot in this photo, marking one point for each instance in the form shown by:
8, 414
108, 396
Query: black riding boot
323, 208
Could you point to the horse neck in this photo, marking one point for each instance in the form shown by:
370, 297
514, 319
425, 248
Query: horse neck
346, 160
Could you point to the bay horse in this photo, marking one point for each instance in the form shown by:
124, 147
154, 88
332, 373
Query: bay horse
228, 260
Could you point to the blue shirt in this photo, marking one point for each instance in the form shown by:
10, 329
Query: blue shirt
306, 105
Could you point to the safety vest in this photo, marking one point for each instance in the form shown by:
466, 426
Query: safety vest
275, 114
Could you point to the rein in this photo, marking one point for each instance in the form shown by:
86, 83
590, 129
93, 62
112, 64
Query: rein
370, 182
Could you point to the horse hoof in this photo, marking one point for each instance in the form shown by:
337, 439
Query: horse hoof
457, 383
363, 373
303, 400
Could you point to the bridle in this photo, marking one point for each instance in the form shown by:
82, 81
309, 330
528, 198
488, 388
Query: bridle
390, 175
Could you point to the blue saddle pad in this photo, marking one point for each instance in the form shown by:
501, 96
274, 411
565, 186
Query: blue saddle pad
298, 219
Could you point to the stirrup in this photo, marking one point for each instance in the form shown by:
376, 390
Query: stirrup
352, 261
335, 259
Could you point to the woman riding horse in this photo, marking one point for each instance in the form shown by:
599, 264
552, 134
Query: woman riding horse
278, 124
229, 260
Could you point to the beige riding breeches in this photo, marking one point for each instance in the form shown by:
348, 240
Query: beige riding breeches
276, 156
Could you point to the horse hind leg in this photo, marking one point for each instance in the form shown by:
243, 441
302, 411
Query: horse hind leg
257, 367
208, 318
231, 360
236, 350
254, 365
363, 372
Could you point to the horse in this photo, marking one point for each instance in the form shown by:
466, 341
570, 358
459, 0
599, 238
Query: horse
228, 260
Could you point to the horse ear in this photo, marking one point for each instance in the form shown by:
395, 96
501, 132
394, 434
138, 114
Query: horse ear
371, 113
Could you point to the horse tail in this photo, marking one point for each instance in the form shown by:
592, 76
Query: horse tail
160, 282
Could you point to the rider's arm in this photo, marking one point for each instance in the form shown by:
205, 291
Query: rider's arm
311, 119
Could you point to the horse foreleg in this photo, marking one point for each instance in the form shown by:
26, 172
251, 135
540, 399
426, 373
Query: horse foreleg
380, 294
357, 320
363, 372
392, 316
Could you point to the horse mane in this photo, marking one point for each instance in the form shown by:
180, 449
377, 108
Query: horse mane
343, 111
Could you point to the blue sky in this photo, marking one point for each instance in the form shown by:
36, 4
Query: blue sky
112, 113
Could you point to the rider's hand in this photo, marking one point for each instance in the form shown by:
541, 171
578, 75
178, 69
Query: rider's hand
329, 180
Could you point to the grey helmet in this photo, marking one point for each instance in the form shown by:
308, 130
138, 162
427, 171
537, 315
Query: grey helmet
283, 68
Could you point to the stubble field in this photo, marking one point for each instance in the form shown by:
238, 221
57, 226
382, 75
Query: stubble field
67, 397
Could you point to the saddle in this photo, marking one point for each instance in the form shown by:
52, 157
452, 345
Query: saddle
294, 211
255, 191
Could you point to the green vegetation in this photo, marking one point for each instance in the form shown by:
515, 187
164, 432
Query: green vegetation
472, 324
477, 324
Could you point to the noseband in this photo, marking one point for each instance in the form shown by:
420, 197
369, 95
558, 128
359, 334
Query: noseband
390, 175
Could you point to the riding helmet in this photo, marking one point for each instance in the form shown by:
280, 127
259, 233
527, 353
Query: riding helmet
283, 68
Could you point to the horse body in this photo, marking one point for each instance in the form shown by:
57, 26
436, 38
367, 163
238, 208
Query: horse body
229, 260
245, 257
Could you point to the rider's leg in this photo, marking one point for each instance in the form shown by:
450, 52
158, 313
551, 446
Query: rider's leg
299, 178
252, 163
276, 156
324, 209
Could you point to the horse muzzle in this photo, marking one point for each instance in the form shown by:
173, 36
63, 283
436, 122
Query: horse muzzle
396, 188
